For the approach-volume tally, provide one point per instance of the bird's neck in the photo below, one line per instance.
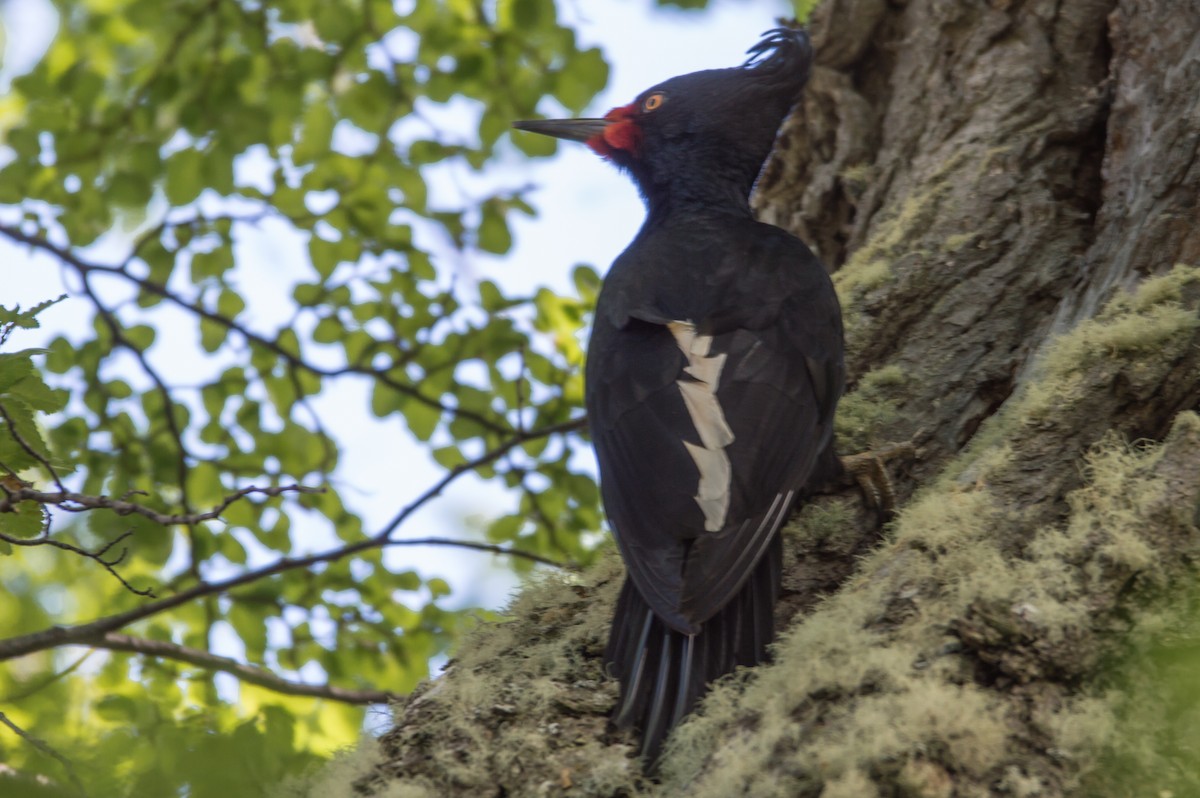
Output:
(676, 185)
(691, 200)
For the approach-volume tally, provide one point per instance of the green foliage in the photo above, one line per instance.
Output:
(23, 394)
(179, 132)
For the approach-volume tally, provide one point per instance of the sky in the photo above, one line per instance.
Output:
(587, 213)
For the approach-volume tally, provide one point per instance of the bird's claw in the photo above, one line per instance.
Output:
(869, 472)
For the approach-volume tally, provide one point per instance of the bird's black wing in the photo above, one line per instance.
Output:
(707, 427)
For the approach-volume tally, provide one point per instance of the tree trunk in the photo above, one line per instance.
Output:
(1007, 192)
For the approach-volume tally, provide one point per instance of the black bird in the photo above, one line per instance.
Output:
(713, 372)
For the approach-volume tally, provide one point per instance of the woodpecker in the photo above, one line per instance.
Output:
(713, 372)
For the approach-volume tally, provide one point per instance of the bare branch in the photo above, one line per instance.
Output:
(251, 674)
(471, 465)
(79, 502)
(55, 636)
(82, 502)
(109, 564)
(46, 749)
(473, 545)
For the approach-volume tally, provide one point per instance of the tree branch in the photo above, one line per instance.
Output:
(84, 268)
(491, 548)
(46, 749)
(109, 564)
(81, 502)
(118, 333)
(56, 636)
(251, 674)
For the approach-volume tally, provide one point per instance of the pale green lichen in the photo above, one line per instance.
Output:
(869, 408)
(336, 778)
(858, 702)
(958, 241)
(1148, 326)
(859, 174)
(825, 522)
(1140, 333)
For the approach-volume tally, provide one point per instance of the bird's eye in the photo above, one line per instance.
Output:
(654, 101)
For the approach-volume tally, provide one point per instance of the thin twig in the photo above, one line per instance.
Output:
(491, 548)
(29, 450)
(46, 749)
(84, 268)
(471, 465)
(55, 636)
(118, 333)
(109, 565)
(251, 674)
(519, 386)
(81, 502)
(45, 682)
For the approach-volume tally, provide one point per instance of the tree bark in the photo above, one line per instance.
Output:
(1007, 193)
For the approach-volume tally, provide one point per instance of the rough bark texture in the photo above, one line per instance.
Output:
(1008, 194)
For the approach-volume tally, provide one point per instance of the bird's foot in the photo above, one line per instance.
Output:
(869, 471)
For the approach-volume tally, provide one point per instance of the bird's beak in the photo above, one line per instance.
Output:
(572, 129)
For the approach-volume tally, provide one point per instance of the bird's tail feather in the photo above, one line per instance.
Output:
(664, 673)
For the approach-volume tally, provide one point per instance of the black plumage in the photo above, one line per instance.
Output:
(714, 369)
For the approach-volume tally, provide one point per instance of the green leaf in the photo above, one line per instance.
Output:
(212, 335)
(230, 304)
(505, 528)
(422, 419)
(328, 330)
(141, 336)
(316, 133)
(587, 283)
(21, 442)
(27, 319)
(308, 294)
(26, 520)
(129, 190)
(493, 233)
(249, 622)
(14, 367)
(324, 255)
(116, 709)
(449, 456)
(585, 75)
(185, 177)
(211, 264)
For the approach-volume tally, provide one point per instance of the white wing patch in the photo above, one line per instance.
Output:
(700, 398)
